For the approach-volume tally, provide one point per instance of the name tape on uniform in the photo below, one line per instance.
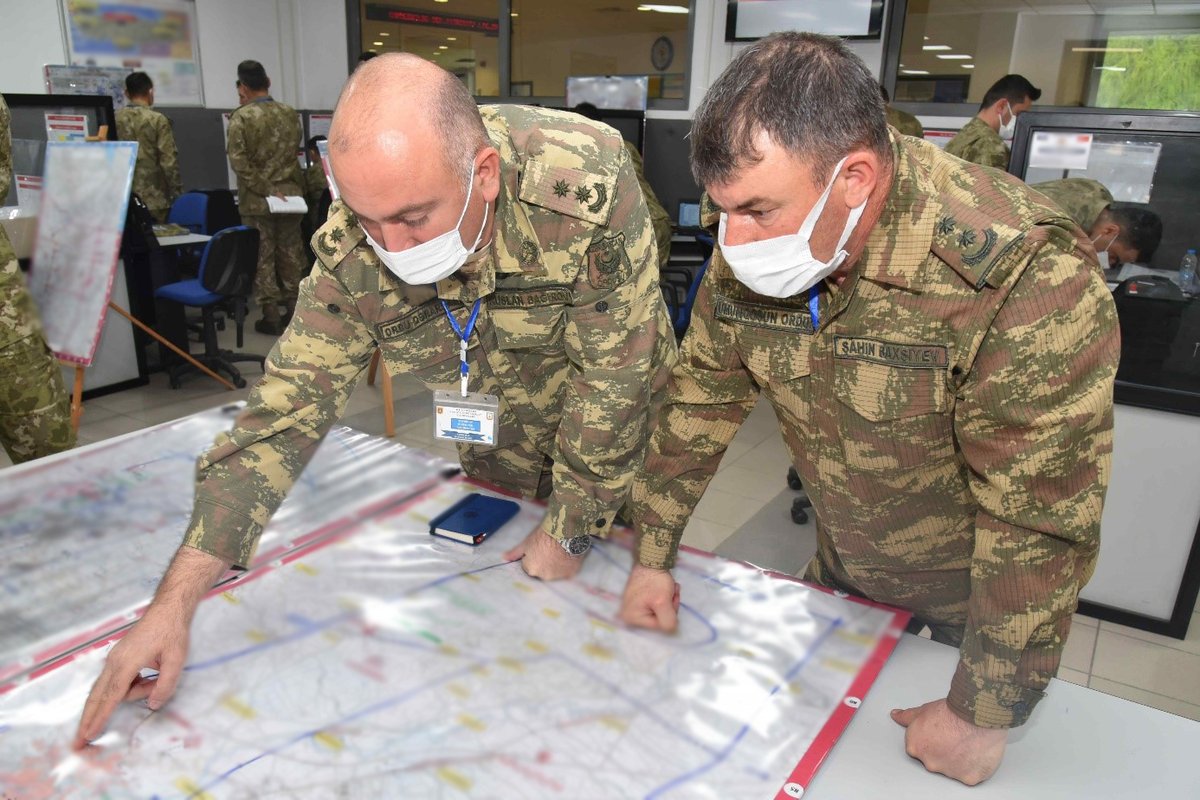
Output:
(533, 297)
(410, 321)
(914, 356)
(780, 319)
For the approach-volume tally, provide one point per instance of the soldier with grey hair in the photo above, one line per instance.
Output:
(939, 347)
(519, 231)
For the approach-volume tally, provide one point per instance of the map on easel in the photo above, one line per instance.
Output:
(84, 197)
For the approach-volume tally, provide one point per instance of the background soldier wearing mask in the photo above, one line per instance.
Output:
(1120, 233)
(939, 347)
(982, 140)
(524, 229)
(35, 411)
(263, 137)
(156, 174)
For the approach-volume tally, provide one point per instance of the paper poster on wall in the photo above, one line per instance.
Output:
(318, 124)
(66, 127)
(29, 194)
(81, 221)
(155, 36)
(1051, 150)
(98, 81)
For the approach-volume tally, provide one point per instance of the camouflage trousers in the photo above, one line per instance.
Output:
(519, 468)
(35, 410)
(280, 257)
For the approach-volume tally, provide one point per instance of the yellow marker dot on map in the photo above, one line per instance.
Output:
(454, 778)
(331, 636)
(231, 597)
(305, 568)
(510, 663)
(458, 690)
(329, 740)
(856, 638)
(524, 587)
(839, 665)
(238, 707)
(796, 687)
(480, 670)
(598, 651)
(616, 723)
(744, 653)
(257, 636)
(448, 650)
(192, 789)
(537, 647)
(471, 578)
(601, 624)
(473, 723)
(552, 613)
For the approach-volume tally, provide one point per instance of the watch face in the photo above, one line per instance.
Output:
(577, 545)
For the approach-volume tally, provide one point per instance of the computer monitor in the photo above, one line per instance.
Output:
(689, 213)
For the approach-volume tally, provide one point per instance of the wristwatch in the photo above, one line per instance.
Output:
(576, 545)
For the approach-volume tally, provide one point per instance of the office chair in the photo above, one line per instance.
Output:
(190, 210)
(227, 271)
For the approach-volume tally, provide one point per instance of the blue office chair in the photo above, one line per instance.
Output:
(227, 271)
(190, 210)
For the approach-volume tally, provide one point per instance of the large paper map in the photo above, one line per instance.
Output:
(378, 661)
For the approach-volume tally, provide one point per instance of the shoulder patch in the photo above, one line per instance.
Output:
(574, 192)
(608, 263)
(338, 237)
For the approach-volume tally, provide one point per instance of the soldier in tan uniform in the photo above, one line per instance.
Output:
(540, 232)
(1120, 233)
(263, 137)
(983, 139)
(35, 410)
(939, 347)
(902, 121)
(156, 173)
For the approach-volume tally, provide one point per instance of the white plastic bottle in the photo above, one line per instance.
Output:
(1187, 272)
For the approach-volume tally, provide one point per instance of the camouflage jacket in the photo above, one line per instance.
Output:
(979, 144)
(1082, 198)
(659, 219)
(950, 416)
(156, 174)
(572, 336)
(905, 122)
(18, 316)
(314, 184)
(262, 143)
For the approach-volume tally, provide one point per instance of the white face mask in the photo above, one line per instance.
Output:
(436, 259)
(1007, 129)
(1103, 254)
(783, 266)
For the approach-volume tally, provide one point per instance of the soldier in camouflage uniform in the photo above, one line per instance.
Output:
(156, 174)
(1120, 233)
(982, 140)
(263, 137)
(572, 334)
(902, 121)
(945, 393)
(35, 410)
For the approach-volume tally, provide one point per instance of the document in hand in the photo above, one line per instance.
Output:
(292, 204)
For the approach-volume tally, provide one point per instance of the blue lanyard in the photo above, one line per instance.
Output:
(813, 308)
(464, 336)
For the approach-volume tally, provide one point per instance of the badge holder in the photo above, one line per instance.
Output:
(468, 417)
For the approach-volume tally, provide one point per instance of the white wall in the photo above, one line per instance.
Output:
(301, 43)
(30, 37)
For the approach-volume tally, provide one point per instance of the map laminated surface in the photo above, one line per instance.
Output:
(376, 660)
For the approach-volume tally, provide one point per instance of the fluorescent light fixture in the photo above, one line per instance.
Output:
(377, 44)
(451, 38)
(384, 33)
(443, 47)
(967, 66)
(1111, 69)
(663, 8)
(955, 57)
(937, 47)
(915, 71)
(1106, 49)
(514, 14)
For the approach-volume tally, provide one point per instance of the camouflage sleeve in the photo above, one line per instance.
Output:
(168, 158)
(710, 395)
(1034, 421)
(5, 150)
(310, 374)
(616, 333)
(238, 150)
(990, 155)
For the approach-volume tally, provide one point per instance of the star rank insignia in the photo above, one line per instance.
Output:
(583, 194)
(561, 188)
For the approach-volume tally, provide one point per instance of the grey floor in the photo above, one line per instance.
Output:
(744, 516)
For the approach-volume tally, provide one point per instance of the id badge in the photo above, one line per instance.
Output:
(470, 419)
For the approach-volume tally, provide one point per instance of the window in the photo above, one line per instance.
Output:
(461, 36)
(1146, 57)
(547, 42)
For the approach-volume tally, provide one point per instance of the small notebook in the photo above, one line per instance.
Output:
(473, 519)
(291, 204)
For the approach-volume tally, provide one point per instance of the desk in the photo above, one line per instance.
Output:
(183, 240)
(428, 668)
